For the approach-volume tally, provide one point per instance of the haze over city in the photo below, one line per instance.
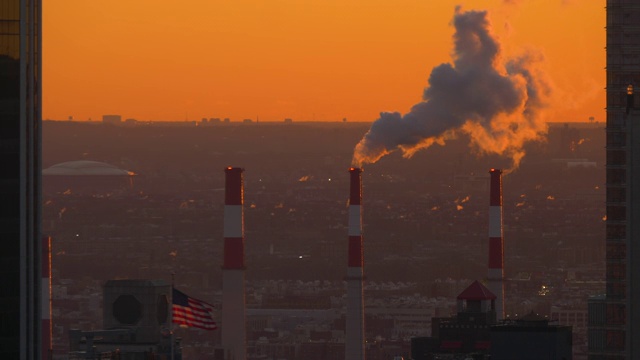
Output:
(425, 221)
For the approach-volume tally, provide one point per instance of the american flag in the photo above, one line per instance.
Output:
(192, 312)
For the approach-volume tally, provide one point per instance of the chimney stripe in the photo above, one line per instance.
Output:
(233, 253)
(496, 274)
(234, 185)
(495, 221)
(496, 253)
(355, 220)
(233, 221)
(355, 251)
(355, 191)
(355, 273)
(496, 188)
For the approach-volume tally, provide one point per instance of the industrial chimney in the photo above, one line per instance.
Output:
(233, 268)
(354, 337)
(495, 275)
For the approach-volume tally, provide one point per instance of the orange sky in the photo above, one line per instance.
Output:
(302, 59)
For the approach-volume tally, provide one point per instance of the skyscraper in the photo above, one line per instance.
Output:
(20, 118)
(619, 335)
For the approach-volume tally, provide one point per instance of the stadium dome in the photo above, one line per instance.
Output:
(85, 168)
(86, 177)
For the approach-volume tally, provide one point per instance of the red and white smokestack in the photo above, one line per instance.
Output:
(354, 336)
(496, 243)
(233, 335)
(46, 298)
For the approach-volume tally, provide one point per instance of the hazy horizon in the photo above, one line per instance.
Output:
(313, 61)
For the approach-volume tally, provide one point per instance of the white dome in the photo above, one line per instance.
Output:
(85, 167)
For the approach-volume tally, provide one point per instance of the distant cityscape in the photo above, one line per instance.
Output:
(425, 228)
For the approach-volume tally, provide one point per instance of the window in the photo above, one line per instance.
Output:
(616, 251)
(616, 213)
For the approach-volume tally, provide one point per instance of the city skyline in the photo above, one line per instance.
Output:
(425, 220)
(342, 60)
(305, 61)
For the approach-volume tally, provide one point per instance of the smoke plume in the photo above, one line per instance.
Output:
(498, 102)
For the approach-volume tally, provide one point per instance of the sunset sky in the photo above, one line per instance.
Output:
(300, 59)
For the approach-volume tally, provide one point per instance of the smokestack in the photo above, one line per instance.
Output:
(233, 268)
(495, 275)
(354, 337)
(46, 298)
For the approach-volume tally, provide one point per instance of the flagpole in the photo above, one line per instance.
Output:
(173, 275)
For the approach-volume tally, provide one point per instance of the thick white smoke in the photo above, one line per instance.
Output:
(498, 102)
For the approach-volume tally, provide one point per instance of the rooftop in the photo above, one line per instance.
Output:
(476, 291)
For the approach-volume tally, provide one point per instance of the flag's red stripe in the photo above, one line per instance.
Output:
(197, 314)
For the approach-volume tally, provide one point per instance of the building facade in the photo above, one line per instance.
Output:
(466, 335)
(137, 324)
(614, 320)
(531, 337)
(20, 119)
(621, 329)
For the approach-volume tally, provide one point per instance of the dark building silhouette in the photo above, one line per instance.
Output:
(531, 337)
(467, 333)
(474, 333)
(617, 337)
(137, 324)
(20, 124)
